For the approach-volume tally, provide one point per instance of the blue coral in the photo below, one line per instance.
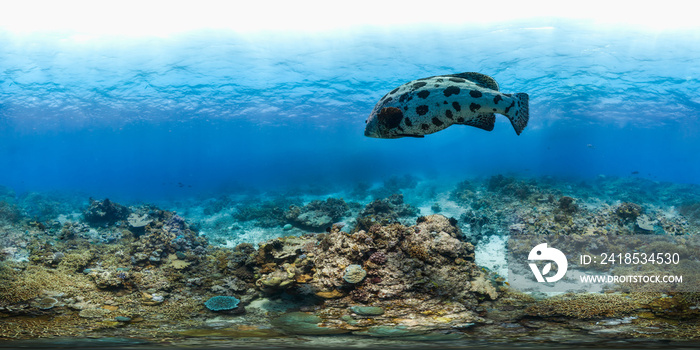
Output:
(221, 303)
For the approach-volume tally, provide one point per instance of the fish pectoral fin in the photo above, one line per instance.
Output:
(485, 121)
(482, 80)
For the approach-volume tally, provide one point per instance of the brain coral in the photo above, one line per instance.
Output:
(220, 303)
(354, 274)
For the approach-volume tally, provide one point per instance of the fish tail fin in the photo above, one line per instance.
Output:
(521, 113)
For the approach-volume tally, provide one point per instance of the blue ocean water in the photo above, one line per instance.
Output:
(213, 110)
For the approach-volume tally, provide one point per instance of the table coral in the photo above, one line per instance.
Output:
(222, 303)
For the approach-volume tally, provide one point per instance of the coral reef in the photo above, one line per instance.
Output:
(384, 211)
(44, 303)
(140, 270)
(511, 186)
(384, 263)
(586, 306)
(317, 215)
(230, 285)
(138, 223)
(567, 205)
(628, 211)
(9, 213)
(464, 193)
(266, 214)
(166, 233)
(691, 211)
(108, 278)
(47, 206)
(104, 212)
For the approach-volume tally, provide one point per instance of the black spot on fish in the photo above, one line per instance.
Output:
(394, 91)
(422, 109)
(475, 94)
(437, 121)
(474, 107)
(439, 80)
(437, 85)
(497, 98)
(456, 106)
(448, 114)
(460, 120)
(423, 94)
(425, 126)
(407, 122)
(390, 117)
(405, 108)
(451, 90)
(494, 109)
(444, 102)
(509, 107)
(405, 97)
(419, 84)
(457, 80)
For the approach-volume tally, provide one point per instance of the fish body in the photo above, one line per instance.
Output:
(428, 105)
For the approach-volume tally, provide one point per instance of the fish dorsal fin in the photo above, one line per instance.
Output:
(478, 79)
(485, 121)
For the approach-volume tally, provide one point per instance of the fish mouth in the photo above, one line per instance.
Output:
(372, 127)
(372, 133)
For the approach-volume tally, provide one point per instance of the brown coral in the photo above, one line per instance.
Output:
(585, 306)
(628, 211)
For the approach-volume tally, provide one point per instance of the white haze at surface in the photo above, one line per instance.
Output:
(214, 107)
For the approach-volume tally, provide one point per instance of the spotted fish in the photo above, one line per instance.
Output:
(428, 105)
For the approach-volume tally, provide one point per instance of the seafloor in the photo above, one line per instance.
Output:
(402, 263)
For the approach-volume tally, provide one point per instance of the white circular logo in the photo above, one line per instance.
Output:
(541, 252)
